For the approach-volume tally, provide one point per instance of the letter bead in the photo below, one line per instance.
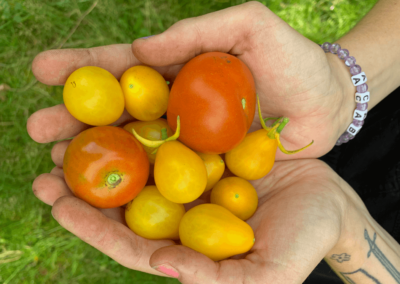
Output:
(359, 79)
(360, 114)
(362, 97)
(353, 130)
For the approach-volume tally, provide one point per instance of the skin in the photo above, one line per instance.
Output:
(306, 211)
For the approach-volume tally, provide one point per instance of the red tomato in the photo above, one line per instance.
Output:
(106, 166)
(214, 94)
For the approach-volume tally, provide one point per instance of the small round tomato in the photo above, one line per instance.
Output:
(105, 166)
(215, 168)
(146, 93)
(214, 94)
(152, 216)
(179, 173)
(93, 95)
(237, 195)
(151, 130)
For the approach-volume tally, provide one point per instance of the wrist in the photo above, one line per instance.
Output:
(345, 91)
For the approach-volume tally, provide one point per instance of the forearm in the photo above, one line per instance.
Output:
(375, 44)
(366, 253)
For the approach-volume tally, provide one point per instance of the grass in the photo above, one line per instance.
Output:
(33, 247)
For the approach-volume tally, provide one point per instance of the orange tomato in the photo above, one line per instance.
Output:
(237, 195)
(150, 130)
(214, 94)
(146, 93)
(105, 166)
(215, 168)
(93, 95)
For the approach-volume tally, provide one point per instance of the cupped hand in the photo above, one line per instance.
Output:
(303, 215)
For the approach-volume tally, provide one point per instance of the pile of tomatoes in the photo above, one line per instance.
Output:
(153, 166)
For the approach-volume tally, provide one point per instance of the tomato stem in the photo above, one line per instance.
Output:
(164, 134)
(113, 179)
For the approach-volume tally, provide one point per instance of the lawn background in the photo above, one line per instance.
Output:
(33, 247)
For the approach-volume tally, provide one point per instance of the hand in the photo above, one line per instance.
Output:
(293, 75)
(305, 211)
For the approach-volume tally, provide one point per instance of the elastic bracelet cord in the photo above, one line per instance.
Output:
(361, 97)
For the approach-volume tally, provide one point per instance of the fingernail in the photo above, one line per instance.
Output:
(167, 269)
(146, 37)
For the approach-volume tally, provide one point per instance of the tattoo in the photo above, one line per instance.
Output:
(369, 276)
(341, 257)
(363, 275)
(381, 257)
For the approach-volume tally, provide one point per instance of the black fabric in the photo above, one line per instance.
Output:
(370, 163)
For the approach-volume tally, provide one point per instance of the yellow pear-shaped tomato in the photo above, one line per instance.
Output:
(94, 96)
(146, 92)
(215, 232)
(150, 130)
(179, 173)
(215, 168)
(237, 195)
(151, 216)
(254, 157)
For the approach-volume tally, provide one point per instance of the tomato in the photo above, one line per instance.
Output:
(214, 94)
(215, 232)
(105, 166)
(93, 95)
(254, 157)
(152, 216)
(146, 92)
(215, 168)
(179, 173)
(150, 130)
(237, 195)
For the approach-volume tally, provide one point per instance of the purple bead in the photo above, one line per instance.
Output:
(350, 61)
(345, 138)
(343, 53)
(358, 123)
(351, 137)
(335, 47)
(325, 46)
(338, 143)
(362, 88)
(362, 106)
(354, 70)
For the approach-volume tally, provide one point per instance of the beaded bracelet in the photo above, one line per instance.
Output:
(361, 97)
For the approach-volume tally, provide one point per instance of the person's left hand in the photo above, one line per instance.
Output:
(305, 212)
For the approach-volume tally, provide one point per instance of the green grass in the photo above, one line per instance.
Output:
(33, 247)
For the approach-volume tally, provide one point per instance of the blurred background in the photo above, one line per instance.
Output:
(33, 247)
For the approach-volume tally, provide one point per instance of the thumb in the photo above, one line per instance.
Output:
(185, 264)
(227, 30)
(190, 266)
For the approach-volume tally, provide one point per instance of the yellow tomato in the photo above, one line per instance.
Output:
(93, 95)
(237, 195)
(146, 93)
(151, 216)
(254, 157)
(215, 168)
(150, 130)
(215, 232)
(179, 173)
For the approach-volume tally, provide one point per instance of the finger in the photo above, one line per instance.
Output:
(219, 31)
(117, 214)
(58, 151)
(57, 171)
(106, 235)
(190, 266)
(56, 123)
(48, 188)
(52, 67)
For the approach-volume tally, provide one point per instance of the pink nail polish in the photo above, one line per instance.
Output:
(167, 269)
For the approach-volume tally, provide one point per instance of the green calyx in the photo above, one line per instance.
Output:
(275, 130)
(113, 180)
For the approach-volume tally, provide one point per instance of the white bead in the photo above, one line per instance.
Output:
(353, 130)
(359, 79)
(362, 97)
(360, 114)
